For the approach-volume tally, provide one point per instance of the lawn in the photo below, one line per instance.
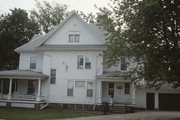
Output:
(30, 114)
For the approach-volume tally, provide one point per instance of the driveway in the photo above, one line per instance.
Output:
(139, 115)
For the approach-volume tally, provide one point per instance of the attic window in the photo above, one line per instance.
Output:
(74, 37)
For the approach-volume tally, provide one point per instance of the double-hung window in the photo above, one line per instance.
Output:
(53, 76)
(74, 37)
(70, 88)
(83, 62)
(89, 89)
(33, 61)
(80, 63)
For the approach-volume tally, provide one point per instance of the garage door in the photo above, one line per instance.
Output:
(169, 101)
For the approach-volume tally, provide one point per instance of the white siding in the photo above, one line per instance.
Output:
(87, 36)
(24, 61)
(60, 61)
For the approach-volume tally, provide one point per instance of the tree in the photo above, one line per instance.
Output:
(89, 18)
(15, 30)
(147, 31)
(47, 15)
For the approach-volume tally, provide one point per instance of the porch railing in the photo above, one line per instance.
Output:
(111, 100)
(21, 97)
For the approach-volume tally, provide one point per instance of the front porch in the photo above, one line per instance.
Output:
(116, 91)
(21, 88)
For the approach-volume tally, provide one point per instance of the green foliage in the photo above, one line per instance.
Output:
(48, 16)
(147, 31)
(15, 30)
(89, 18)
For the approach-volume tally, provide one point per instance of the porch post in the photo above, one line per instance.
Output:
(1, 89)
(133, 95)
(38, 98)
(10, 89)
(99, 91)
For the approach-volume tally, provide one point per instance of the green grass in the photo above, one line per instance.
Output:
(30, 114)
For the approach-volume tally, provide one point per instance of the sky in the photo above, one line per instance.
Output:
(86, 6)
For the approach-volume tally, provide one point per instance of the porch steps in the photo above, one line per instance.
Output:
(118, 109)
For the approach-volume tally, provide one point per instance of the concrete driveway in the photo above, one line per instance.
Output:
(139, 115)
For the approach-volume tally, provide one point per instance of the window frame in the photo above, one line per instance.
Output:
(127, 90)
(88, 89)
(53, 81)
(85, 61)
(75, 37)
(31, 89)
(79, 66)
(81, 86)
(31, 66)
(68, 88)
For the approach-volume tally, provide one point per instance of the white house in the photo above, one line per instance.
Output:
(65, 67)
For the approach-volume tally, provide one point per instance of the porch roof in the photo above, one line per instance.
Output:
(111, 74)
(116, 75)
(21, 73)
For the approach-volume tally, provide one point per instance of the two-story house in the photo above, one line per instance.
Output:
(65, 67)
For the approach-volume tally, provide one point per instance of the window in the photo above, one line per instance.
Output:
(70, 88)
(127, 88)
(5, 83)
(87, 63)
(83, 62)
(89, 89)
(53, 76)
(123, 63)
(71, 37)
(31, 87)
(111, 89)
(74, 38)
(33, 62)
(80, 63)
(80, 84)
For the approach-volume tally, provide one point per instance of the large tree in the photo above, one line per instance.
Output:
(48, 15)
(148, 31)
(15, 30)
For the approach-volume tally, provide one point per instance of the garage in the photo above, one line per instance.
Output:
(169, 101)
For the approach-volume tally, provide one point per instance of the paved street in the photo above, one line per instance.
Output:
(139, 115)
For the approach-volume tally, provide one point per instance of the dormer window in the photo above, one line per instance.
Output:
(74, 37)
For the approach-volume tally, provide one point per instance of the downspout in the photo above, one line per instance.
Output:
(44, 106)
(96, 72)
(95, 86)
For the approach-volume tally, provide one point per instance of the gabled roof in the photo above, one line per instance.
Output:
(37, 41)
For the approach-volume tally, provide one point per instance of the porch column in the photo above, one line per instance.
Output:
(38, 98)
(156, 99)
(99, 91)
(10, 89)
(133, 95)
(1, 89)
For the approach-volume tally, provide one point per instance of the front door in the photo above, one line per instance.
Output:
(150, 101)
(118, 93)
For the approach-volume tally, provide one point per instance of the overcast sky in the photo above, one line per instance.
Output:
(86, 6)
